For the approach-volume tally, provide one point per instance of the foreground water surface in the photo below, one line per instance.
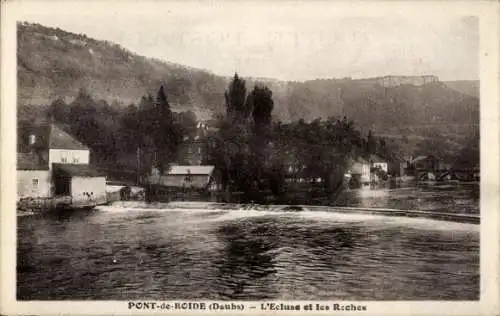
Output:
(133, 250)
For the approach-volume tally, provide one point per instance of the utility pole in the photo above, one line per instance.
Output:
(138, 165)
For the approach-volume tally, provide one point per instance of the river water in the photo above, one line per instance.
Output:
(134, 250)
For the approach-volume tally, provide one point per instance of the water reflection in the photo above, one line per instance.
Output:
(246, 259)
(138, 251)
(439, 197)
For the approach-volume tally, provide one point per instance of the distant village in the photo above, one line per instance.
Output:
(154, 140)
(53, 171)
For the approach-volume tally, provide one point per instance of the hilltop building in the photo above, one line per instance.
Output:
(393, 81)
(51, 163)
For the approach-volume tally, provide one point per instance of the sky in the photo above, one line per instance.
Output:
(282, 41)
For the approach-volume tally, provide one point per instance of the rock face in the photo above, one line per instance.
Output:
(393, 81)
(53, 63)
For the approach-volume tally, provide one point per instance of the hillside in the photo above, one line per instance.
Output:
(469, 87)
(54, 63)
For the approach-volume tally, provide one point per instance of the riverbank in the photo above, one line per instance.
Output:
(442, 197)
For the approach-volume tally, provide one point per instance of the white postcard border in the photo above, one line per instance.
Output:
(488, 11)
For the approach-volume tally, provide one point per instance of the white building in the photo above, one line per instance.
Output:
(53, 163)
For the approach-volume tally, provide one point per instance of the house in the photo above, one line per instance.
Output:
(33, 176)
(192, 152)
(194, 149)
(403, 168)
(52, 144)
(359, 170)
(378, 162)
(51, 163)
(79, 181)
(396, 165)
(426, 164)
(200, 178)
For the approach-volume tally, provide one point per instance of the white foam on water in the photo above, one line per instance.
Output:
(432, 224)
(340, 216)
(240, 212)
(125, 206)
(233, 215)
(421, 223)
(152, 208)
(186, 204)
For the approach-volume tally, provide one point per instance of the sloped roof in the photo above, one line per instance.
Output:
(180, 176)
(357, 168)
(185, 170)
(59, 139)
(356, 165)
(77, 170)
(376, 158)
(420, 158)
(30, 161)
(48, 136)
(432, 157)
(180, 180)
(357, 160)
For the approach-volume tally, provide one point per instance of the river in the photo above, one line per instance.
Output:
(134, 250)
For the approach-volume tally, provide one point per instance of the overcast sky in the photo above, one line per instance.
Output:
(283, 42)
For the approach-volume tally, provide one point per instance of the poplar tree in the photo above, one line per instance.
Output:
(165, 133)
(237, 109)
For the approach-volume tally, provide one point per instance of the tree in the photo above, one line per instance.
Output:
(187, 122)
(371, 144)
(231, 153)
(58, 110)
(129, 129)
(165, 133)
(262, 104)
(237, 109)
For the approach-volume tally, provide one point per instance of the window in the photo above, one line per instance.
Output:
(76, 160)
(64, 157)
(34, 183)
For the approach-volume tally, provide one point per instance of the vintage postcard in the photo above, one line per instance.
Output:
(250, 157)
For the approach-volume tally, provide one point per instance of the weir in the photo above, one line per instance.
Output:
(454, 217)
(462, 218)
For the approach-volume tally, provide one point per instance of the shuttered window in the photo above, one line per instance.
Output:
(64, 157)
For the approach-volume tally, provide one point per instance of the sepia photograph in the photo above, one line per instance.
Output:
(194, 152)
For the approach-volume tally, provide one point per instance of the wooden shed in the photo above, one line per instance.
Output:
(188, 177)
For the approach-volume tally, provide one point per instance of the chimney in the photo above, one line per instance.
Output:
(32, 140)
(32, 143)
(32, 147)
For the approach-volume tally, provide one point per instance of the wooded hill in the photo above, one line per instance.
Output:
(53, 63)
